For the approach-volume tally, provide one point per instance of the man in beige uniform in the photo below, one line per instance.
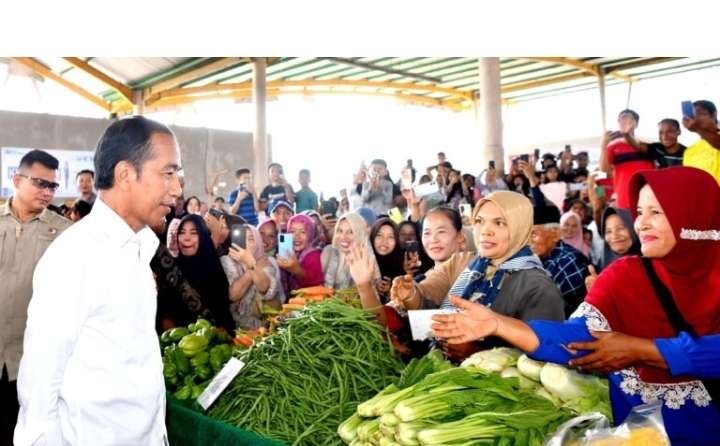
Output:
(27, 228)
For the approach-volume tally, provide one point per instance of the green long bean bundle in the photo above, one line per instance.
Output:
(300, 383)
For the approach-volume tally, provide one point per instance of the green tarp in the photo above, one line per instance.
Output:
(188, 427)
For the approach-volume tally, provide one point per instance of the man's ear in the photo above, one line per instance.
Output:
(16, 180)
(124, 174)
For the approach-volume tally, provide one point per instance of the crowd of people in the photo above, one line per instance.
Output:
(553, 257)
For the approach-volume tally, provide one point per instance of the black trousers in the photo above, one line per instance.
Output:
(9, 408)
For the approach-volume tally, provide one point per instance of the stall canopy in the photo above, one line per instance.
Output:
(121, 85)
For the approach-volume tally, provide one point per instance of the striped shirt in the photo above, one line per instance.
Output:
(247, 206)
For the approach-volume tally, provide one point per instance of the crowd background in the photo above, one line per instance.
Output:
(529, 243)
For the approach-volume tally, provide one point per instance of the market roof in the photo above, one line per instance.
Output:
(114, 83)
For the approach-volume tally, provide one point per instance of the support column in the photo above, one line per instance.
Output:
(138, 102)
(601, 89)
(490, 112)
(260, 151)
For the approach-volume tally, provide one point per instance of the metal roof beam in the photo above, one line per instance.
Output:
(591, 68)
(102, 77)
(374, 67)
(43, 71)
(247, 86)
(542, 82)
(192, 75)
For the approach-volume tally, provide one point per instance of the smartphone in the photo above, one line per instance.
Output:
(491, 164)
(328, 207)
(537, 154)
(423, 190)
(688, 110)
(524, 157)
(395, 215)
(216, 213)
(465, 209)
(238, 235)
(285, 245)
(412, 246)
(577, 187)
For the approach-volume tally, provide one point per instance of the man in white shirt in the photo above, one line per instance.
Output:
(91, 371)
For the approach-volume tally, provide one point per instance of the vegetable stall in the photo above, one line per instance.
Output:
(326, 374)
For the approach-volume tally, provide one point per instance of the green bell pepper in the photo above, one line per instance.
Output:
(193, 344)
(165, 337)
(177, 333)
(197, 389)
(181, 362)
(169, 369)
(184, 392)
(201, 323)
(203, 372)
(200, 359)
(172, 382)
(217, 358)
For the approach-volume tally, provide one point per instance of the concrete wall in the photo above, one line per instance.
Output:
(204, 151)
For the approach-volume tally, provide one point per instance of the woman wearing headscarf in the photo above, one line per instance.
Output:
(619, 236)
(322, 237)
(200, 265)
(302, 268)
(385, 242)
(252, 280)
(651, 323)
(505, 275)
(571, 232)
(619, 240)
(350, 230)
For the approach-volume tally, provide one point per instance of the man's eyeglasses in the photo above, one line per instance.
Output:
(40, 183)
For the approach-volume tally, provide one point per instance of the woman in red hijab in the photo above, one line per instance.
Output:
(651, 351)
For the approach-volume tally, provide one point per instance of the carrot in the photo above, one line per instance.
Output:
(297, 301)
(315, 291)
(292, 307)
(244, 340)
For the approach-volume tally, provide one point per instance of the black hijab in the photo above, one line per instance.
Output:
(205, 274)
(391, 265)
(609, 255)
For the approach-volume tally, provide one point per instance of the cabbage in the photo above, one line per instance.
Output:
(512, 372)
(529, 368)
(495, 360)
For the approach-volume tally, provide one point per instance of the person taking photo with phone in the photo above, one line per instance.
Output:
(377, 191)
(300, 262)
(704, 154)
(251, 277)
(622, 155)
(242, 200)
(278, 189)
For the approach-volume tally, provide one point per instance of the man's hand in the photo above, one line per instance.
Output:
(610, 352)
(243, 194)
(473, 323)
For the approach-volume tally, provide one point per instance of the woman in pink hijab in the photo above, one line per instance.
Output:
(571, 232)
(303, 268)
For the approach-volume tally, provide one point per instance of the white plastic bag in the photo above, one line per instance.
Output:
(643, 426)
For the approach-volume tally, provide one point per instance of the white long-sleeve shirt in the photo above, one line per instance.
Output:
(91, 372)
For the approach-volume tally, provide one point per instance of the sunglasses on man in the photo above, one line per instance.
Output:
(40, 183)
